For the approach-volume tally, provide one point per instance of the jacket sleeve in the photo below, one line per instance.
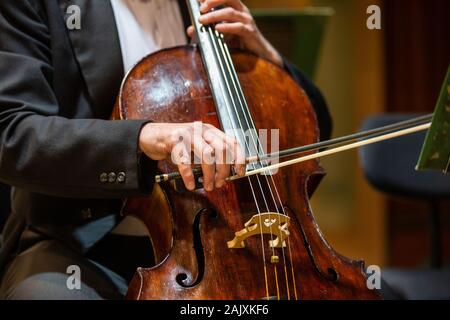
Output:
(43, 152)
(317, 100)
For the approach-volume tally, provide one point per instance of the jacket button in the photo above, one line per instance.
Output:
(104, 177)
(112, 177)
(121, 177)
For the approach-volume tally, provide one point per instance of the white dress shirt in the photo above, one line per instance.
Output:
(146, 26)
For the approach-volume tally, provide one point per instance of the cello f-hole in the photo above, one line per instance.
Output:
(182, 278)
(330, 274)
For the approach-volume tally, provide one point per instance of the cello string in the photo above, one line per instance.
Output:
(258, 180)
(209, 29)
(193, 4)
(278, 196)
(247, 116)
(220, 44)
(243, 104)
(233, 97)
(289, 248)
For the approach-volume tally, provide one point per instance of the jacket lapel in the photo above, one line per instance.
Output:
(185, 13)
(97, 49)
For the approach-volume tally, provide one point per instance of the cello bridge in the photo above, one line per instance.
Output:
(274, 224)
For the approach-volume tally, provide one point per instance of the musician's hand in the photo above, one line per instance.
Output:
(236, 22)
(176, 142)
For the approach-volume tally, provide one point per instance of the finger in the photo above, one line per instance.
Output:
(207, 5)
(222, 154)
(222, 167)
(236, 28)
(185, 169)
(190, 31)
(226, 14)
(206, 153)
(240, 165)
(187, 176)
(181, 155)
(211, 133)
(234, 154)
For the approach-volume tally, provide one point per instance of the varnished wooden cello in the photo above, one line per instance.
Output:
(255, 238)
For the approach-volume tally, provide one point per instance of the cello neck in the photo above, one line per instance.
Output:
(225, 86)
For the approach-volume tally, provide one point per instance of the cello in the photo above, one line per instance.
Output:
(256, 238)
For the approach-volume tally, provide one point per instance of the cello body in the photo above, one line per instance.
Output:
(190, 230)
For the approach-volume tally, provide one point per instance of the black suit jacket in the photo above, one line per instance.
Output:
(57, 91)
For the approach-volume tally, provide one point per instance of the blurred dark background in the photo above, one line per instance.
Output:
(417, 57)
